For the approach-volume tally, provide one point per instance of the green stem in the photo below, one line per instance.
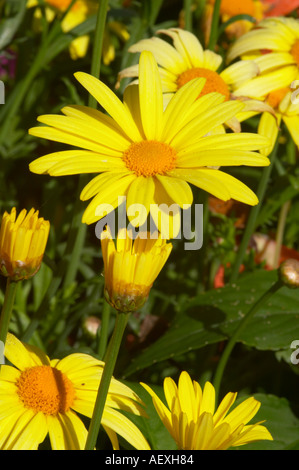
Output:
(251, 222)
(214, 26)
(111, 357)
(188, 15)
(9, 298)
(234, 338)
(104, 330)
(98, 44)
(76, 239)
(280, 231)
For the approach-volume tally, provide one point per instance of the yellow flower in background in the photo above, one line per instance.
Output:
(40, 396)
(274, 46)
(130, 268)
(113, 29)
(193, 422)
(186, 60)
(147, 153)
(286, 111)
(79, 13)
(23, 241)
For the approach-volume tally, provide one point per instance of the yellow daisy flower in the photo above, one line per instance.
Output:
(146, 153)
(79, 13)
(274, 46)
(186, 60)
(131, 268)
(194, 423)
(40, 396)
(23, 241)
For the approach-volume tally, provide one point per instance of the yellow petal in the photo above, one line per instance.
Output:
(141, 192)
(150, 96)
(110, 103)
(179, 191)
(23, 355)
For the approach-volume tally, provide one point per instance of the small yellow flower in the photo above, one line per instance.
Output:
(113, 30)
(131, 267)
(286, 111)
(80, 11)
(40, 396)
(194, 424)
(274, 47)
(23, 241)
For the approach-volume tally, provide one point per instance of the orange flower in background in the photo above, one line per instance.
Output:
(230, 8)
(280, 7)
(257, 9)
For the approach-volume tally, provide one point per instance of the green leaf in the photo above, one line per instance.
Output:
(214, 316)
(9, 26)
(280, 421)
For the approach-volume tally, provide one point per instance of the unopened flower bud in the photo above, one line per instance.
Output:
(289, 273)
(23, 241)
(131, 268)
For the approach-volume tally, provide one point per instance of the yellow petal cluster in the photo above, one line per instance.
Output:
(23, 240)
(131, 267)
(193, 422)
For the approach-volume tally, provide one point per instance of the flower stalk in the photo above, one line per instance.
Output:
(254, 212)
(110, 361)
(9, 298)
(214, 26)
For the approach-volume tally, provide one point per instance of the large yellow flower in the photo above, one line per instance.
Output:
(41, 396)
(23, 241)
(146, 153)
(132, 267)
(194, 423)
(274, 46)
(186, 60)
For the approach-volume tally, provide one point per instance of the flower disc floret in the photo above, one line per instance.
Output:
(149, 157)
(214, 82)
(45, 389)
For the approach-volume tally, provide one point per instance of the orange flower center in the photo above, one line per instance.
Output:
(213, 81)
(237, 7)
(275, 97)
(295, 51)
(149, 158)
(45, 389)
